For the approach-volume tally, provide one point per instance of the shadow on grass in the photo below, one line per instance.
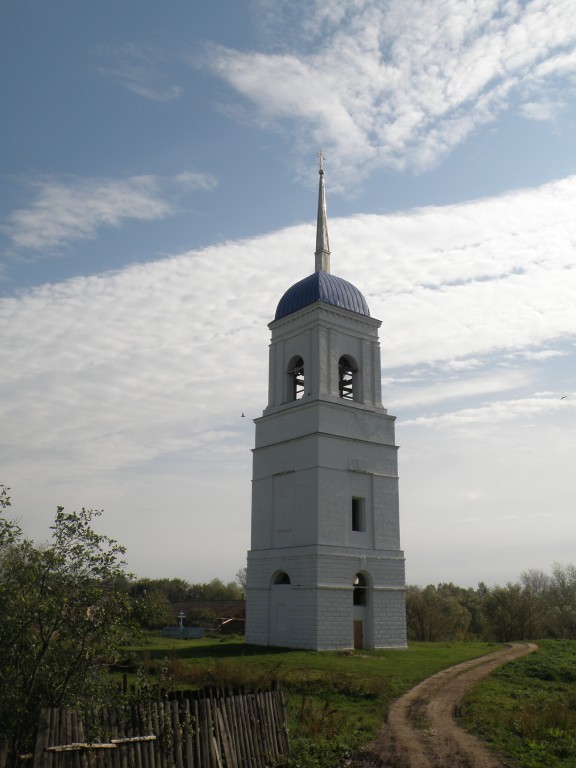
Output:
(219, 650)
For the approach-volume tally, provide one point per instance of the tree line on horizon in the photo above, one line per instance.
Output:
(540, 605)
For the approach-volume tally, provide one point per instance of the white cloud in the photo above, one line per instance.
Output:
(469, 279)
(541, 110)
(402, 397)
(544, 354)
(167, 93)
(139, 69)
(500, 410)
(74, 209)
(399, 84)
(125, 390)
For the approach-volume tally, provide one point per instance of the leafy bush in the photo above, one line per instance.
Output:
(62, 621)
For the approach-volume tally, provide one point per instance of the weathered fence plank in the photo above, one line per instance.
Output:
(208, 729)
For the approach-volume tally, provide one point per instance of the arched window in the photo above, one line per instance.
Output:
(360, 593)
(296, 378)
(346, 376)
(281, 578)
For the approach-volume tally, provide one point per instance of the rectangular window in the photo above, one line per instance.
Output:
(358, 522)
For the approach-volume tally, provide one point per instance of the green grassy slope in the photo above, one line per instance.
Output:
(527, 709)
(335, 700)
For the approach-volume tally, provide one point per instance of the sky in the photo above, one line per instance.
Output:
(158, 192)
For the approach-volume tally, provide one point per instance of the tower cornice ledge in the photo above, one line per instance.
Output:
(359, 555)
(312, 312)
(307, 400)
(324, 418)
(329, 401)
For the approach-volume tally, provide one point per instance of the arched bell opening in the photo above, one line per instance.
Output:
(347, 378)
(295, 374)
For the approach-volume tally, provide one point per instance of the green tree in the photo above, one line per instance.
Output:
(435, 613)
(215, 590)
(151, 610)
(561, 615)
(63, 620)
(241, 578)
(510, 613)
(536, 588)
(172, 590)
(180, 591)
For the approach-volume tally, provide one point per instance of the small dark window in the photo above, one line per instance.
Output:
(282, 578)
(360, 591)
(358, 514)
(296, 374)
(346, 373)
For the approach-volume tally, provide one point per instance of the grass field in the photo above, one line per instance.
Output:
(527, 709)
(335, 700)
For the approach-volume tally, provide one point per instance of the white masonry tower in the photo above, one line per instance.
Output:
(325, 570)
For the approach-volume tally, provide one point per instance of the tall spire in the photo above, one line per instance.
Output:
(322, 252)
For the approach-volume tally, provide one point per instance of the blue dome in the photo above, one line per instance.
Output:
(322, 286)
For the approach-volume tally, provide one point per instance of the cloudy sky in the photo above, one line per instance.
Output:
(157, 197)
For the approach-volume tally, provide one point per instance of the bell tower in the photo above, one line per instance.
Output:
(325, 569)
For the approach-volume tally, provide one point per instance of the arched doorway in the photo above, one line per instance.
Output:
(280, 609)
(361, 602)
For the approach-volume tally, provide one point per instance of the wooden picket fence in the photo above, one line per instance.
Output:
(210, 729)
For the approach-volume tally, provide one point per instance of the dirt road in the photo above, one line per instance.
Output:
(421, 732)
